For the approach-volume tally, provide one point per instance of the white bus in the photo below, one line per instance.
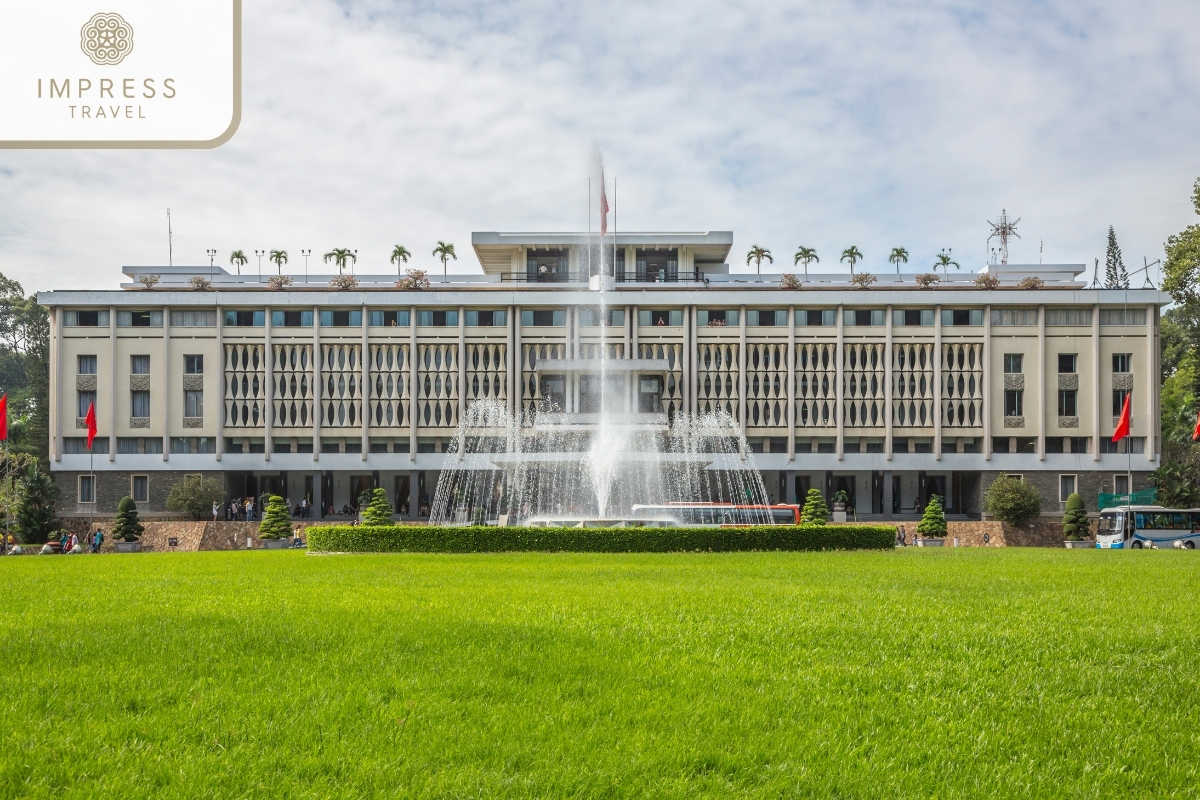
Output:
(1140, 527)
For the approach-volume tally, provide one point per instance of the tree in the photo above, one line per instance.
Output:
(757, 254)
(1012, 500)
(944, 261)
(400, 254)
(25, 371)
(899, 256)
(238, 259)
(853, 255)
(276, 524)
(35, 516)
(378, 511)
(280, 257)
(195, 496)
(1181, 270)
(1075, 521)
(805, 255)
(1176, 486)
(933, 522)
(341, 256)
(444, 252)
(815, 512)
(126, 527)
(1115, 276)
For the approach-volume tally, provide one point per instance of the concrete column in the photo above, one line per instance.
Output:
(1041, 385)
(790, 376)
(510, 360)
(937, 383)
(462, 375)
(220, 443)
(166, 384)
(887, 490)
(56, 415)
(742, 368)
(414, 495)
(366, 386)
(412, 386)
(318, 501)
(317, 413)
(838, 384)
(887, 392)
(631, 377)
(1096, 406)
(694, 364)
(268, 384)
(112, 384)
(1152, 389)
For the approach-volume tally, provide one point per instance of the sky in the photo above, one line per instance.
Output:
(369, 123)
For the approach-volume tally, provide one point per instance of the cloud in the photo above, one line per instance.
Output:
(827, 124)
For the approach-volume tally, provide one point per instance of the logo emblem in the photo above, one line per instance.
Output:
(106, 39)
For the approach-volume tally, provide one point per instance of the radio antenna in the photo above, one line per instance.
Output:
(170, 243)
(1002, 230)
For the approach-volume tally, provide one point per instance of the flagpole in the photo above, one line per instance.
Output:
(589, 233)
(1129, 444)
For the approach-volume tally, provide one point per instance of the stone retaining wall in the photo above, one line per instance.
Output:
(1039, 533)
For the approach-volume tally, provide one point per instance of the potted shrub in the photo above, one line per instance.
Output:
(931, 530)
(986, 281)
(1031, 282)
(413, 280)
(815, 512)
(927, 279)
(840, 499)
(1075, 526)
(276, 527)
(789, 281)
(127, 529)
(863, 279)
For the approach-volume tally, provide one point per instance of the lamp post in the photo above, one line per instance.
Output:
(306, 254)
(260, 254)
(212, 254)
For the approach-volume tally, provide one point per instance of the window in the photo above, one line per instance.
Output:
(1014, 317)
(85, 319)
(766, 318)
(900, 445)
(911, 316)
(379, 446)
(486, 319)
(353, 319)
(389, 319)
(717, 318)
(133, 445)
(962, 316)
(874, 445)
(826, 446)
(1068, 316)
(193, 319)
(190, 445)
(1080, 444)
(660, 317)
(971, 445)
(1026, 444)
(139, 488)
(1067, 403)
(139, 404)
(86, 365)
(139, 319)
(852, 446)
(544, 318)
(1122, 361)
(258, 446)
(922, 445)
(804, 445)
(353, 445)
(1000, 444)
(1012, 363)
(127, 445)
(278, 446)
(245, 319)
(233, 446)
(1066, 487)
(193, 365)
(331, 446)
(1121, 316)
(78, 444)
(1067, 363)
(1055, 444)
(554, 390)
(593, 318)
(1120, 484)
(949, 446)
(139, 365)
(1014, 403)
(304, 445)
(85, 401)
(193, 403)
(816, 316)
(864, 316)
(87, 488)
(291, 319)
(1118, 404)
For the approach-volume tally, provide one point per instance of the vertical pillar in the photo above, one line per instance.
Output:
(631, 377)
(166, 384)
(112, 384)
(1152, 388)
(1041, 385)
(414, 494)
(685, 388)
(462, 375)
(986, 381)
(268, 385)
(742, 369)
(887, 398)
(220, 393)
(694, 363)
(510, 360)
(412, 387)
(1096, 382)
(790, 377)
(937, 383)
(887, 490)
(518, 369)
(839, 386)
(365, 360)
(56, 415)
(317, 411)
(318, 501)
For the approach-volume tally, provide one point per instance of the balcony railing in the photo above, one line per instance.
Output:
(638, 276)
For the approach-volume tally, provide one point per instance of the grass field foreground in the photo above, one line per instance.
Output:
(907, 673)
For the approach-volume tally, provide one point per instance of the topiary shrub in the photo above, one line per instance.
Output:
(1012, 500)
(276, 524)
(195, 496)
(378, 510)
(933, 523)
(1075, 524)
(815, 512)
(127, 527)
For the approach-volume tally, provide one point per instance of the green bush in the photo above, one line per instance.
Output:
(933, 523)
(36, 496)
(1012, 500)
(127, 527)
(378, 511)
(493, 539)
(815, 512)
(276, 524)
(1075, 521)
(195, 495)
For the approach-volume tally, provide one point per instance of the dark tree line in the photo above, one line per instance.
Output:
(25, 371)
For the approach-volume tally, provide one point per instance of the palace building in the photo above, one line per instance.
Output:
(890, 392)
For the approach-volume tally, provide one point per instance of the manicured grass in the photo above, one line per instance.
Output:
(951, 673)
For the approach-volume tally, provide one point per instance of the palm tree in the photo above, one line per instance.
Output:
(238, 259)
(943, 261)
(807, 255)
(853, 255)
(339, 256)
(400, 253)
(899, 256)
(445, 252)
(280, 257)
(757, 254)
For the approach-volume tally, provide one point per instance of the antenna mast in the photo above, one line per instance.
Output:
(1002, 230)
(170, 243)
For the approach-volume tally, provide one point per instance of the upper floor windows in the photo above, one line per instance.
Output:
(962, 316)
(139, 319)
(193, 365)
(717, 318)
(595, 318)
(1121, 362)
(341, 319)
(1014, 316)
(660, 317)
(543, 317)
(86, 319)
(244, 319)
(291, 319)
(139, 365)
(1012, 362)
(389, 319)
(1068, 363)
(487, 319)
(1122, 316)
(86, 365)
(912, 316)
(769, 318)
(1068, 316)
(193, 319)
(437, 319)
(862, 317)
(816, 316)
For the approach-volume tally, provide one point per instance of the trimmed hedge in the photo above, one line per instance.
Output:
(492, 539)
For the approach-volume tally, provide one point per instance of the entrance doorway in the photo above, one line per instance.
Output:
(359, 485)
(931, 485)
(845, 483)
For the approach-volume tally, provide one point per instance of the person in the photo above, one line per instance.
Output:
(97, 540)
(303, 508)
(62, 542)
(216, 511)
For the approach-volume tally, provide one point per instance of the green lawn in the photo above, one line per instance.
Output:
(909, 673)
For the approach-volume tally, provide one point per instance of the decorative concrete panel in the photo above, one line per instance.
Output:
(81, 422)
(139, 383)
(1068, 422)
(85, 383)
(1014, 422)
(193, 422)
(1122, 380)
(193, 383)
(139, 422)
(1068, 380)
(1014, 380)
